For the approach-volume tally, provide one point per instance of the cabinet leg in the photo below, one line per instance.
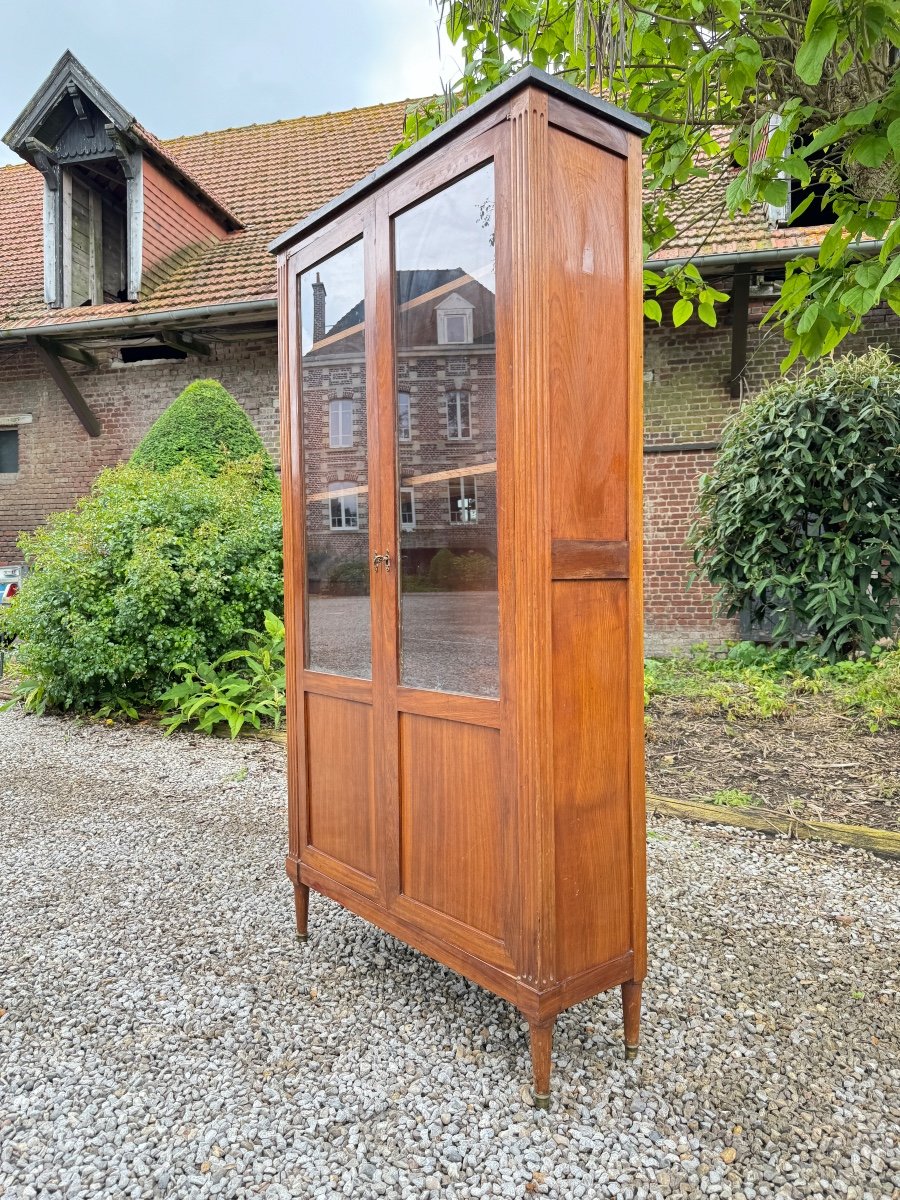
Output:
(301, 907)
(541, 1051)
(631, 1011)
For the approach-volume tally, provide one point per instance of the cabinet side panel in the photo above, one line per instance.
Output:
(590, 751)
(588, 341)
(339, 788)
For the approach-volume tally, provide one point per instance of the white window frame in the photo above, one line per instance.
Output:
(348, 499)
(455, 398)
(411, 493)
(454, 306)
(401, 437)
(340, 431)
(468, 487)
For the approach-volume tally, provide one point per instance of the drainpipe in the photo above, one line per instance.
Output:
(716, 262)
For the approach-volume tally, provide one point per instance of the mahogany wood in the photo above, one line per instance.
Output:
(631, 1007)
(503, 837)
(585, 125)
(590, 560)
(541, 1035)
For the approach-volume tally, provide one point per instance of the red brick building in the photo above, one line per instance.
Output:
(129, 267)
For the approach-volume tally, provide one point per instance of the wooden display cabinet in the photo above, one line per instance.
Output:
(460, 382)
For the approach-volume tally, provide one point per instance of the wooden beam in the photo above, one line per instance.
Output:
(67, 350)
(187, 343)
(47, 353)
(740, 305)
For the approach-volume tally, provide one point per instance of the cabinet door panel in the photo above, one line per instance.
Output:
(340, 789)
(453, 829)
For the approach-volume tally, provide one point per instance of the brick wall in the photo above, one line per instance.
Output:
(686, 397)
(58, 460)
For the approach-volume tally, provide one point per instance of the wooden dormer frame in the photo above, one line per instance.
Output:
(102, 131)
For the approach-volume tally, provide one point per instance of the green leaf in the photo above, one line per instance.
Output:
(682, 311)
(814, 50)
(871, 149)
(893, 136)
(652, 310)
(707, 313)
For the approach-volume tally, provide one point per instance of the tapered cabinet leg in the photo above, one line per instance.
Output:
(631, 1011)
(301, 907)
(541, 1053)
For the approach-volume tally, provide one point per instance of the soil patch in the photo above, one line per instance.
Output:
(814, 763)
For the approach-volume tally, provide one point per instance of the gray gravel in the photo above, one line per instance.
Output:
(163, 1035)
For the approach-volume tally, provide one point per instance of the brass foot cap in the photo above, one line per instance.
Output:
(541, 1101)
(302, 937)
(631, 1052)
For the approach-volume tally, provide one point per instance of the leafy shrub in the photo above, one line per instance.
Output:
(800, 512)
(350, 577)
(147, 571)
(454, 572)
(241, 687)
(206, 425)
(759, 682)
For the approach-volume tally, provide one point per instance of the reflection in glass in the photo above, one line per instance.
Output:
(447, 440)
(335, 447)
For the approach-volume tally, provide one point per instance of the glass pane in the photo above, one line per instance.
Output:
(336, 469)
(447, 439)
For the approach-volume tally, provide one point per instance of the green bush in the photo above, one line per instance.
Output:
(462, 572)
(800, 514)
(147, 571)
(206, 425)
(350, 577)
(242, 687)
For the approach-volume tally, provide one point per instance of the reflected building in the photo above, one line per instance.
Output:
(446, 426)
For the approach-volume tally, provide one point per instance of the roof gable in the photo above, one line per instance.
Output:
(75, 118)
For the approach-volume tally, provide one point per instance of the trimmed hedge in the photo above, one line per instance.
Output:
(206, 425)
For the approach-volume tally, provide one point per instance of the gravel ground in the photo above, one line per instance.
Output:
(163, 1035)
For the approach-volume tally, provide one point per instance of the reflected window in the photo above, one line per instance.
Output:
(407, 508)
(340, 423)
(344, 505)
(454, 320)
(463, 501)
(404, 424)
(459, 424)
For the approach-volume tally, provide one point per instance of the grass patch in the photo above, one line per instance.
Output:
(746, 681)
(731, 798)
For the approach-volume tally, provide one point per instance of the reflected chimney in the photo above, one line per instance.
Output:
(318, 291)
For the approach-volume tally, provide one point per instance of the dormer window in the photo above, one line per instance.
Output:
(118, 208)
(454, 320)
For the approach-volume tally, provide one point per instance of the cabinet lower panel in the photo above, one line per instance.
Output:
(502, 982)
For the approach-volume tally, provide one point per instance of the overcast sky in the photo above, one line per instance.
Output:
(184, 66)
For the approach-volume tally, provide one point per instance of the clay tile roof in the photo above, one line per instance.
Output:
(270, 176)
(698, 211)
(266, 176)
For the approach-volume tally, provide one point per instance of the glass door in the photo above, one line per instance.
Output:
(444, 298)
(336, 466)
